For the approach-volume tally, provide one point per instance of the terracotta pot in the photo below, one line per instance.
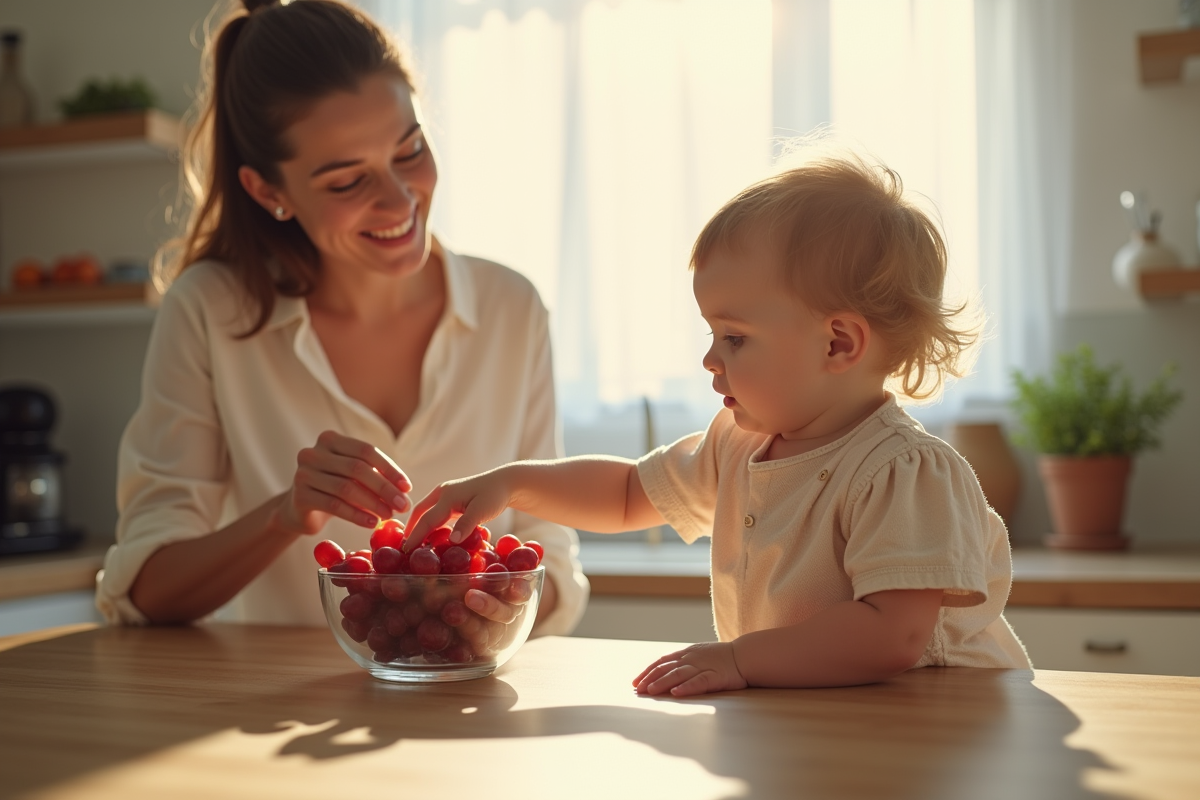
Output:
(984, 447)
(1087, 500)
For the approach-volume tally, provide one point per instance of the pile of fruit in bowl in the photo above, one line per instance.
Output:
(403, 616)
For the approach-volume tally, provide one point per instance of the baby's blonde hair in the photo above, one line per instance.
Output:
(851, 241)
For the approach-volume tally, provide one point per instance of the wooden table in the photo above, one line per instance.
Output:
(223, 711)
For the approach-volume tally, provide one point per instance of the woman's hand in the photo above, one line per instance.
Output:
(342, 477)
(473, 501)
(698, 669)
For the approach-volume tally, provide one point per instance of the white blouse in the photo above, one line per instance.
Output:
(221, 420)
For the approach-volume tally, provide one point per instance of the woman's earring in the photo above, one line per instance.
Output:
(279, 212)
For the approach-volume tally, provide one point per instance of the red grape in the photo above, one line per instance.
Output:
(433, 634)
(484, 533)
(493, 580)
(454, 613)
(390, 561)
(438, 536)
(395, 622)
(423, 561)
(380, 640)
(357, 564)
(458, 653)
(357, 606)
(472, 542)
(356, 629)
(388, 533)
(489, 557)
(396, 589)
(366, 554)
(329, 553)
(518, 592)
(409, 645)
(506, 545)
(521, 559)
(455, 561)
(413, 613)
(537, 548)
(478, 562)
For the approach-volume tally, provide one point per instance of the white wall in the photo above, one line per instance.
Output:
(112, 211)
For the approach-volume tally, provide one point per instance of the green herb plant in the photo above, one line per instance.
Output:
(1087, 410)
(106, 97)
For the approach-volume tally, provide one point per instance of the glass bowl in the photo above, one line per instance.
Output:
(416, 629)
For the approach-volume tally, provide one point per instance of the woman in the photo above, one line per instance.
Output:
(317, 336)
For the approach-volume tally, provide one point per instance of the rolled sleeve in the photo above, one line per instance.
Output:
(172, 468)
(680, 480)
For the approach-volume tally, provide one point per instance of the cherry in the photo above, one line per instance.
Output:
(455, 613)
(521, 559)
(388, 533)
(423, 561)
(357, 606)
(380, 640)
(433, 634)
(356, 629)
(455, 561)
(537, 548)
(396, 589)
(390, 561)
(394, 621)
(328, 553)
(506, 545)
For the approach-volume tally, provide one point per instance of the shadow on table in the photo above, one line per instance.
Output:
(923, 735)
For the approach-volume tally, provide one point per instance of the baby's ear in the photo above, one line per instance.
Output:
(849, 337)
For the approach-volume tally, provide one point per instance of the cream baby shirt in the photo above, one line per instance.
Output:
(887, 506)
(221, 420)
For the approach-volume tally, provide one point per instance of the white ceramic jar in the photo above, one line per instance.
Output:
(1142, 252)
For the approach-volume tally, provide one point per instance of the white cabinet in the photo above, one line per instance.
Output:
(47, 611)
(1086, 640)
(648, 619)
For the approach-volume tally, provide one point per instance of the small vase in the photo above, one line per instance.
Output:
(1142, 252)
(1087, 500)
(984, 447)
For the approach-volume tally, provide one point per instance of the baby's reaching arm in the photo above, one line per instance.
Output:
(595, 493)
(850, 643)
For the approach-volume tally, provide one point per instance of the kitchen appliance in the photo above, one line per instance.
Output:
(31, 475)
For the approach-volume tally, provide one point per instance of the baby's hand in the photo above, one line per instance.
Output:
(474, 501)
(698, 669)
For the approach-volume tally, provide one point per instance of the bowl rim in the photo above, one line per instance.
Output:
(324, 572)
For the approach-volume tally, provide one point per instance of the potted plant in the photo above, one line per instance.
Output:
(1088, 423)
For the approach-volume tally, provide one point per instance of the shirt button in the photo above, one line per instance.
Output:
(824, 474)
(748, 521)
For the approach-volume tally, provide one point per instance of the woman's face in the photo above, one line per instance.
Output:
(362, 179)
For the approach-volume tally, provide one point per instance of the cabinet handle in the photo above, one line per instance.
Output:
(1106, 646)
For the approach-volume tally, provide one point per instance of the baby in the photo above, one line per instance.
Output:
(848, 545)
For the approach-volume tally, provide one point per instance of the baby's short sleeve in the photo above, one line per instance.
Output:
(681, 480)
(920, 521)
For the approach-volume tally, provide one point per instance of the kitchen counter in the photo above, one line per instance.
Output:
(34, 574)
(1147, 577)
(243, 711)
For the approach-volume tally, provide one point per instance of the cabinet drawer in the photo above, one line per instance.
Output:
(1149, 642)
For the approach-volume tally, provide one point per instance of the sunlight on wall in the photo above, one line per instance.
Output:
(903, 85)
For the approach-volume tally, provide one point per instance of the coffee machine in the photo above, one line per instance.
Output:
(31, 475)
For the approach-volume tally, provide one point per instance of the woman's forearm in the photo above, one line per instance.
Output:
(187, 580)
(850, 643)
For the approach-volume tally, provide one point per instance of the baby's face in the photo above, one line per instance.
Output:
(768, 350)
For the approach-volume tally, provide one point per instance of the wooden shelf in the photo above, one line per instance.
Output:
(82, 305)
(128, 136)
(1161, 55)
(1169, 284)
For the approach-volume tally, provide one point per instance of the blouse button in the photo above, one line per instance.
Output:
(824, 474)
(748, 521)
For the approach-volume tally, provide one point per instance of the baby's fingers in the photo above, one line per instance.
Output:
(431, 513)
(667, 677)
(668, 658)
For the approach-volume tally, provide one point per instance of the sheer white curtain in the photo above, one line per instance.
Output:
(585, 142)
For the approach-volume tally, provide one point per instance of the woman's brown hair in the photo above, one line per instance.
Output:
(265, 67)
